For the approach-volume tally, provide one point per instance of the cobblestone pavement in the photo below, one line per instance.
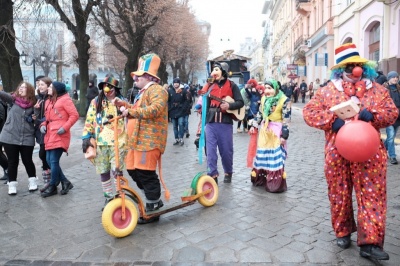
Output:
(247, 226)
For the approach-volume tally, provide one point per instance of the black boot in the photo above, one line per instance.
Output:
(65, 187)
(344, 242)
(228, 178)
(50, 191)
(373, 252)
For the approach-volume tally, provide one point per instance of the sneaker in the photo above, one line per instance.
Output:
(246, 130)
(12, 188)
(33, 183)
(393, 160)
(187, 135)
(154, 206)
(5, 176)
(181, 142)
(176, 142)
(239, 130)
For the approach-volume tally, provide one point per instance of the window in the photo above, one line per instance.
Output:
(374, 41)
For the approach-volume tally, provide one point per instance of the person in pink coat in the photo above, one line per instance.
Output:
(61, 115)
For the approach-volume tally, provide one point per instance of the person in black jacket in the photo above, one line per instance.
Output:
(3, 157)
(178, 105)
(92, 92)
(41, 96)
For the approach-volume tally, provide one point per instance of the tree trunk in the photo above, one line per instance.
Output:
(82, 45)
(10, 69)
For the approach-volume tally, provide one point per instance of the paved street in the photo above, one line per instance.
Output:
(247, 226)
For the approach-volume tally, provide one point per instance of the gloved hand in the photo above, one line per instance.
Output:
(61, 131)
(365, 115)
(86, 144)
(43, 129)
(285, 133)
(337, 124)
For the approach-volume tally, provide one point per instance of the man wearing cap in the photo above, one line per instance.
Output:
(100, 109)
(391, 131)
(147, 131)
(219, 129)
(352, 79)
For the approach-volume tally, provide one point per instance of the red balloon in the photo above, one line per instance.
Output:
(357, 71)
(357, 141)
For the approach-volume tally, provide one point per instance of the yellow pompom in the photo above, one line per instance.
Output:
(284, 175)
(253, 173)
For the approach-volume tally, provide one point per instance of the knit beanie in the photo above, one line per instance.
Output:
(177, 80)
(392, 74)
(59, 87)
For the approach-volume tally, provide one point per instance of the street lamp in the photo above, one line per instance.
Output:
(24, 56)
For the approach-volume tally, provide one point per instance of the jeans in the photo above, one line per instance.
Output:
(53, 159)
(186, 121)
(179, 127)
(391, 132)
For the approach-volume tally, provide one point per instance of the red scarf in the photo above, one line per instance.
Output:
(358, 89)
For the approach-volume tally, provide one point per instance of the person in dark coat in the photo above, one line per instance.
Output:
(381, 78)
(178, 106)
(92, 92)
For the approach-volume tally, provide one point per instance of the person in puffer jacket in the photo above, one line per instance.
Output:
(61, 115)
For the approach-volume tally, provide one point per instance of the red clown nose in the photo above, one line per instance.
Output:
(357, 71)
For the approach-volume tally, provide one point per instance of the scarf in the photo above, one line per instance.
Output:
(269, 102)
(23, 103)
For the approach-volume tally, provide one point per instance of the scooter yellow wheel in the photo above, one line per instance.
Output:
(112, 220)
(207, 182)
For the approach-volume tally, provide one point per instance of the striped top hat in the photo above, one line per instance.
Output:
(109, 80)
(347, 53)
(149, 64)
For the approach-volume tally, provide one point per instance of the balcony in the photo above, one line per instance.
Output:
(275, 59)
(303, 7)
(299, 42)
(266, 40)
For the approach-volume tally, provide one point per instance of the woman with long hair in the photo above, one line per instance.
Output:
(61, 115)
(18, 134)
(43, 86)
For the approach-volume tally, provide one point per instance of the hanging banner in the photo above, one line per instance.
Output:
(321, 59)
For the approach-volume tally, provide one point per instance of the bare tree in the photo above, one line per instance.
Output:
(78, 26)
(10, 69)
(126, 23)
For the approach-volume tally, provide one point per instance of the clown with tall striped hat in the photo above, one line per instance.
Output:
(352, 85)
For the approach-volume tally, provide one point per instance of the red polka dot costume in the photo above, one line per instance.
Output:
(367, 178)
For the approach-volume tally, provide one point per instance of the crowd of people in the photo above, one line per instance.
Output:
(48, 115)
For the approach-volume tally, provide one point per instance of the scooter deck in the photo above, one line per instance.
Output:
(170, 208)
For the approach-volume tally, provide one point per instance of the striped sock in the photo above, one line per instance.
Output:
(107, 188)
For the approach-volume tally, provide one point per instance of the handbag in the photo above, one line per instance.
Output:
(90, 153)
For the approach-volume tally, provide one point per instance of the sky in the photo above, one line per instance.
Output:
(232, 21)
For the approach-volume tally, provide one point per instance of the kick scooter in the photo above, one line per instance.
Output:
(120, 215)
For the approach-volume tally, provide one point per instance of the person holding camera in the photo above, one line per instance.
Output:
(18, 134)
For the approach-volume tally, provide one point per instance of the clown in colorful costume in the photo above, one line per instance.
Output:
(100, 109)
(352, 79)
(272, 123)
(219, 128)
(147, 132)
